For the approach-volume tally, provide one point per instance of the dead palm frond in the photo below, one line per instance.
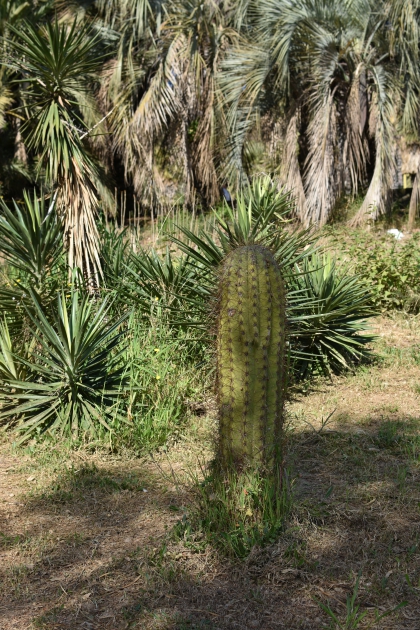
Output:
(323, 185)
(378, 196)
(162, 86)
(290, 168)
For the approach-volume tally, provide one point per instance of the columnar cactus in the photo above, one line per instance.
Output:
(251, 360)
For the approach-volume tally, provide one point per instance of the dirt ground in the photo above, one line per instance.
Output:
(86, 537)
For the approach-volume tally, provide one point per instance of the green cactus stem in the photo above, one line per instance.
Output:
(251, 361)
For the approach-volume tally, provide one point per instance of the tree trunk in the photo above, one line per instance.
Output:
(187, 163)
(20, 150)
(414, 202)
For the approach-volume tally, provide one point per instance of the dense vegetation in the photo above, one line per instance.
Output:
(170, 100)
(209, 343)
(72, 361)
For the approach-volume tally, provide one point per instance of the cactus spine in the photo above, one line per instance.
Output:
(251, 357)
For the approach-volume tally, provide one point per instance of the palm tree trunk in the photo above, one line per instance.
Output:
(414, 203)
(290, 170)
(378, 196)
(187, 163)
(20, 149)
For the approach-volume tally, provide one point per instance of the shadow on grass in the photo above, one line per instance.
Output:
(109, 560)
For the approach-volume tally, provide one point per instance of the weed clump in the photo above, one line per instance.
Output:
(236, 510)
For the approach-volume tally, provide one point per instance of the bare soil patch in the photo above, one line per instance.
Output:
(86, 542)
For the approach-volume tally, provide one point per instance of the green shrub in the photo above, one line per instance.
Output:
(389, 268)
(73, 370)
(326, 306)
(31, 245)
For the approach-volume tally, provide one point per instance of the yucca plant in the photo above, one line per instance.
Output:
(327, 310)
(171, 283)
(55, 67)
(31, 244)
(260, 208)
(8, 367)
(114, 255)
(74, 372)
(31, 238)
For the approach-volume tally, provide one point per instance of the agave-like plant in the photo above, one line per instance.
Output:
(55, 66)
(31, 238)
(169, 283)
(8, 367)
(31, 244)
(260, 208)
(74, 372)
(114, 255)
(326, 307)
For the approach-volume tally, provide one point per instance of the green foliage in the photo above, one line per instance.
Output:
(31, 244)
(330, 334)
(54, 61)
(8, 367)
(251, 361)
(63, 366)
(390, 269)
(114, 255)
(326, 307)
(235, 511)
(260, 208)
(164, 369)
(74, 374)
(166, 279)
(31, 239)
(55, 66)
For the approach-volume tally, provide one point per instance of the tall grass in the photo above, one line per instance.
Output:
(165, 370)
(236, 510)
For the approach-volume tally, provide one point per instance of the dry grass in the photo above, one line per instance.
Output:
(84, 546)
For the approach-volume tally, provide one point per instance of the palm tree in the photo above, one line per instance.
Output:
(161, 85)
(55, 66)
(332, 71)
(191, 86)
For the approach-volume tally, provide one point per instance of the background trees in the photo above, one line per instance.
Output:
(171, 100)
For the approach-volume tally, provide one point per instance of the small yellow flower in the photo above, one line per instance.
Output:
(156, 299)
(157, 349)
(18, 280)
(157, 377)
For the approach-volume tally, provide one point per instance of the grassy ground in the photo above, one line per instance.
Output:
(86, 537)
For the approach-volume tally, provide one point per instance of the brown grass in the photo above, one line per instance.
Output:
(83, 545)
